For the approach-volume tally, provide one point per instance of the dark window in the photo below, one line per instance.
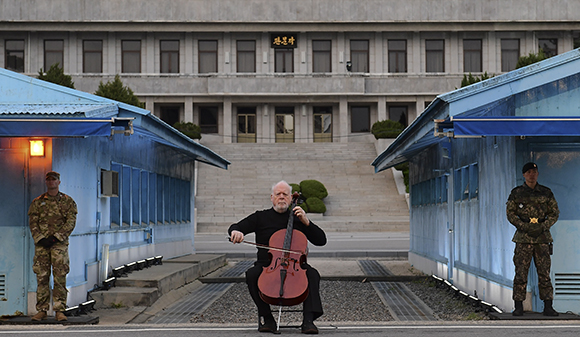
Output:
(170, 56)
(116, 201)
(549, 46)
(321, 56)
(435, 56)
(14, 56)
(397, 56)
(145, 198)
(510, 53)
(131, 56)
(246, 56)
(135, 195)
(472, 56)
(169, 114)
(398, 114)
(126, 196)
(284, 62)
(360, 119)
(53, 53)
(359, 55)
(161, 198)
(92, 56)
(208, 119)
(208, 56)
(152, 198)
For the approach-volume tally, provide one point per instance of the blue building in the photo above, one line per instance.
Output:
(465, 154)
(131, 175)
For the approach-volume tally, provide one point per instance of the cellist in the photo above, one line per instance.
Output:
(264, 223)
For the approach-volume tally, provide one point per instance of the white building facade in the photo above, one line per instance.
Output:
(270, 71)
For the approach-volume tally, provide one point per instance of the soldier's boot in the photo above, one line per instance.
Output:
(60, 316)
(519, 310)
(39, 316)
(548, 309)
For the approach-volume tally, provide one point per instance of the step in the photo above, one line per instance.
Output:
(355, 191)
(144, 287)
(329, 224)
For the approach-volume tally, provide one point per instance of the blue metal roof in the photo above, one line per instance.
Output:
(24, 96)
(516, 93)
(86, 110)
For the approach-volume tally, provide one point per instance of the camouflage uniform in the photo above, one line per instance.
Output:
(54, 216)
(532, 212)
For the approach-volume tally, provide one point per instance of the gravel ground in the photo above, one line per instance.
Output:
(343, 301)
(445, 306)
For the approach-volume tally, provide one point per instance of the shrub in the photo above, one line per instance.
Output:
(117, 91)
(387, 129)
(313, 191)
(469, 80)
(315, 205)
(189, 129)
(313, 188)
(531, 59)
(295, 188)
(404, 167)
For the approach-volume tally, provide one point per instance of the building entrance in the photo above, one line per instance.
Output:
(246, 125)
(15, 260)
(322, 124)
(284, 124)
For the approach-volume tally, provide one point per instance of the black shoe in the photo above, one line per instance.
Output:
(309, 328)
(549, 311)
(519, 309)
(267, 324)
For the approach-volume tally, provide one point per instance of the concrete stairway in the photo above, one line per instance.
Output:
(358, 199)
(145, 287)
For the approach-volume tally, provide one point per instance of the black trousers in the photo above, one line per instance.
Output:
(312, 304)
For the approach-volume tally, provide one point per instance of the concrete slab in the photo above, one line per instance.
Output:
(144, 287)
(74, 320)
(206, 262)
(125, 296)
(533, 316)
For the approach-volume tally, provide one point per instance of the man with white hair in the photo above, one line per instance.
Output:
(264, 224)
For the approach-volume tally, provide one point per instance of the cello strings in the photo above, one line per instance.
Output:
(268, 247)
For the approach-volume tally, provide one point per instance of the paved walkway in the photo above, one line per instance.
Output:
(340, 244)
(179, 304)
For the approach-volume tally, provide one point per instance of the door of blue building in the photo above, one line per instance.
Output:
(559, 169)
(14, 232)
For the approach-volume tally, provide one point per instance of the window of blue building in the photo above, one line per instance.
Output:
(147, 198)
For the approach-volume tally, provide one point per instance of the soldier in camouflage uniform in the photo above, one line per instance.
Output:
(52, 218)
(532, 209)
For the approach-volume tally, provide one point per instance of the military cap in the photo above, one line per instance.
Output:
(53, 174)
(529, 166)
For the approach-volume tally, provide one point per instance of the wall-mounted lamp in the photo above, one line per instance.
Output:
(37, 148)
(348, 65)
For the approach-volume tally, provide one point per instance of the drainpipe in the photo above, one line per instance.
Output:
(104, 264)
(451, 225)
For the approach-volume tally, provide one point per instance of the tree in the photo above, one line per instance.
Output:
(470, 79)
(116, 91)
(530, 59)
(56, 75)
(189, 129)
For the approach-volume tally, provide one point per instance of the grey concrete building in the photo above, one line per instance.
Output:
(282, 71)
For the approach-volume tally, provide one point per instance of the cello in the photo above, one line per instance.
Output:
(284, 281)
